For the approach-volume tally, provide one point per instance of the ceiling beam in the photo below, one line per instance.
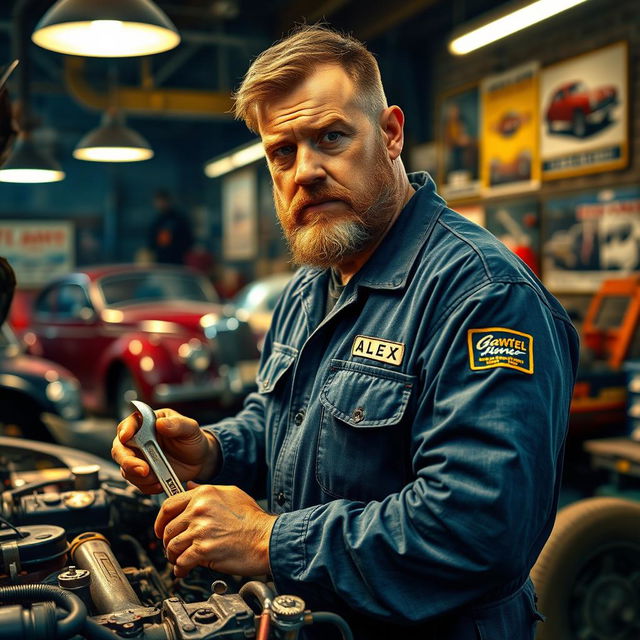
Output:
(368, 19)
(308, 11)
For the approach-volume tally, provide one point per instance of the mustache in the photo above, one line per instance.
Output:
(315, 195)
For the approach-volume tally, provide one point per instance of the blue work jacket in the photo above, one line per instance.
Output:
(411, 441)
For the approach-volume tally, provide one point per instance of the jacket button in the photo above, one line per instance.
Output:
(299, 417)
(358, 415)
(281, 498)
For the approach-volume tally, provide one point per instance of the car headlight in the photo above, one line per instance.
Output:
(65, 395)
(195, 355)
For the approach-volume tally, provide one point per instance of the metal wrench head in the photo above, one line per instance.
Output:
(147, 430)
(145, 440)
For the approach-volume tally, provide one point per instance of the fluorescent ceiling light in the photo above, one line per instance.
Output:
(106, 28)
(113, 141)
(30, 165)
(508, 24)
(234, 160)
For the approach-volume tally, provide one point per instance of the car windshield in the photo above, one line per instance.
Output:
(154, 286)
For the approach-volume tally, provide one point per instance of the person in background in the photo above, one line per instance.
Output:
(413, 391)
(170, 235)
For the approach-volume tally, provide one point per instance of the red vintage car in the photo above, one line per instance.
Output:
(578, 110)
(157, 333)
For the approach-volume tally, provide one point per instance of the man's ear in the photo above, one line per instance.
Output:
(392, 123)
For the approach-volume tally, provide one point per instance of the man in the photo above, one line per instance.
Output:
(170, 234)
(413, 390)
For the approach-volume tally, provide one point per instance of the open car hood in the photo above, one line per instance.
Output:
(7, 287)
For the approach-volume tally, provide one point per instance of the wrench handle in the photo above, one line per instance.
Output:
(164, 471)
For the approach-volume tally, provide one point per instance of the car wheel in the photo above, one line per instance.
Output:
(579, 124)
(124, 391)
(20, 418)
(588, 574)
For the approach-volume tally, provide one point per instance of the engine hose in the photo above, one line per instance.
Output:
(259, 590)
(264, 625)
(335, 620)
(77, 612)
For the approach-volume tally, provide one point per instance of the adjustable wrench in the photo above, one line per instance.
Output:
(145, 440)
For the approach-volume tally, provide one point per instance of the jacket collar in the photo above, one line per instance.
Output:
(389, 266)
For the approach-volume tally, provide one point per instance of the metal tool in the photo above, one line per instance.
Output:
(145, 440)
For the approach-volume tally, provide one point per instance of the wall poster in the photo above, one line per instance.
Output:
(37, 250)
(458, 128)
(510, 159)
(517, 224)
(584, 108)
(239, 215)
(590, 237)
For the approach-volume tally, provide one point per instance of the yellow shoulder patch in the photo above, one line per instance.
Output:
(494, 347)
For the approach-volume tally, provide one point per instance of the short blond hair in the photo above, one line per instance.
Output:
(278, 69)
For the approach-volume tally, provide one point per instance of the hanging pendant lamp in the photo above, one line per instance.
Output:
(113, 141)
(106, 28)
(28, 164)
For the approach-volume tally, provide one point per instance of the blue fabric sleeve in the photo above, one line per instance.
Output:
(242, 446)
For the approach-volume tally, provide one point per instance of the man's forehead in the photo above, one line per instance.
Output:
(327, 88)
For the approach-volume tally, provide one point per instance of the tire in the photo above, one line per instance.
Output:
(588, 574)
(124, 390)
(579, 124)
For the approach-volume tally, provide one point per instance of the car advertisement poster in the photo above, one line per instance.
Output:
(584, 108)
(589, 237)
(517, 224)
(37, 251)
(458, 128)
(239, 215)
(510, 160)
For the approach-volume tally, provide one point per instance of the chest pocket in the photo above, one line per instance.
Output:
(281, 358)
(363, 444)
(271, 382)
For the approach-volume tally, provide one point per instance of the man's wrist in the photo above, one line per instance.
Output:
(212, 463)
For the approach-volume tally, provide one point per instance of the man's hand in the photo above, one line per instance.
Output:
(218, 527)
(193, 453)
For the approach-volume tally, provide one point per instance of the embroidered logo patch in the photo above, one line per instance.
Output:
(376, 349)
(499, 347)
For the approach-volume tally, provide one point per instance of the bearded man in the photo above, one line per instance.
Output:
(406, 433)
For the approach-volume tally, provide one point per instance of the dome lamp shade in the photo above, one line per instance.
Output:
(113, 141)
(106, 28)
(28, 164)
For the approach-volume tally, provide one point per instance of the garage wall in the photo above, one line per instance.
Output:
(594, 24)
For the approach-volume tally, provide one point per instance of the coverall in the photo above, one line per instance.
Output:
(411, 441)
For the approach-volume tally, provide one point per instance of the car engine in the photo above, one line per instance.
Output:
(78, 559)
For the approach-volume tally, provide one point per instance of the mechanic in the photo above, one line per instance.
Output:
(413, 391)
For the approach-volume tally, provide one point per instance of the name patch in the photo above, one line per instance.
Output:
(500, 347)
(376, 349)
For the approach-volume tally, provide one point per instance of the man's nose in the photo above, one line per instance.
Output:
(309, 168)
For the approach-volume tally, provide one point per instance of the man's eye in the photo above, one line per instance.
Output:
(283, 152)
(332, 136)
